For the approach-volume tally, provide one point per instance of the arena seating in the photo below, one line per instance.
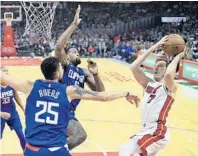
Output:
(101, 22)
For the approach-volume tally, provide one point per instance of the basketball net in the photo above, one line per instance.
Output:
(39, 19)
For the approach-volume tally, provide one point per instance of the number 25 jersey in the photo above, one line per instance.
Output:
(46, 114)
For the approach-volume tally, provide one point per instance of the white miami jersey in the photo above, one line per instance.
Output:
(156, 103)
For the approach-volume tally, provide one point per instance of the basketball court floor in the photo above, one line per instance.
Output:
(111, 124)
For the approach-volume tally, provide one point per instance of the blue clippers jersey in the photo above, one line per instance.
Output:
(74, 76)
(46, 113)
(7, 99)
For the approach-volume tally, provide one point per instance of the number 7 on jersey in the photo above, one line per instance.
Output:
(152, 96)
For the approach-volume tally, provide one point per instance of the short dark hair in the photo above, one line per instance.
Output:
(49, 66)
(162, 59)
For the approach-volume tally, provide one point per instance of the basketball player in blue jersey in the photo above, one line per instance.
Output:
(74, 75)
(48, 105)
(8, 111)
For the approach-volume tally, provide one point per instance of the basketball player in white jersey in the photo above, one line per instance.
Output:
(158, 98)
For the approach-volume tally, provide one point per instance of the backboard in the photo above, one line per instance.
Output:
(15, 12)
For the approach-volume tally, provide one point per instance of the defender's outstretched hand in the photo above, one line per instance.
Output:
(133, 99)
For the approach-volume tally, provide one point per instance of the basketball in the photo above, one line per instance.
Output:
(174, 45)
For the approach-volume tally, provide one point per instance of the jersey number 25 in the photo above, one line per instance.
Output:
(47, 108)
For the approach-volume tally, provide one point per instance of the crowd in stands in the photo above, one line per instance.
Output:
(144, 38)
(96, 36)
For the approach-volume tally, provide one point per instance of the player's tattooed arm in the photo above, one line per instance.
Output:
(64, 38)
(19, 85)
(75, 92)
(81, 92)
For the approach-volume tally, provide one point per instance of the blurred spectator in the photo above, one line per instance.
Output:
(105, 28)
(195, 53)
(91, 49)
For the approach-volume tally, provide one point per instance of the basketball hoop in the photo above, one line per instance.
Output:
(39, 18)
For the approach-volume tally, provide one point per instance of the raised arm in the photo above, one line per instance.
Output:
(18, 100)
(75, 92)
(19, 85)
(171, 71)
(93, 79)
(94, 82)
(139, 75)
(63, 39)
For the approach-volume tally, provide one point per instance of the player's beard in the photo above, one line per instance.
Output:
(158, 77)
(77, 62)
